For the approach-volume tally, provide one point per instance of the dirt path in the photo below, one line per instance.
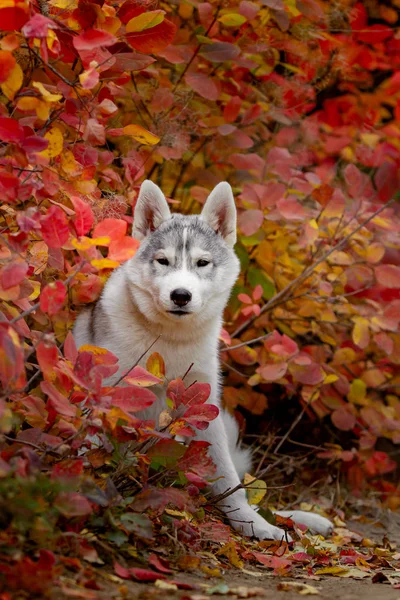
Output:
(261, 584)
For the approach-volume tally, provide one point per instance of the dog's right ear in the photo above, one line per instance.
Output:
(150, 211)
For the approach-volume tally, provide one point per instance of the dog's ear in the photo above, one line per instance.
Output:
(220, 212)
(150, 211)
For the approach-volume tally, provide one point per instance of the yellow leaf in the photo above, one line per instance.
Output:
(360, 333)
(146, 20)
(375, 252)
(165, 585)
(48, 96)
(291, 8)
(337, 571)
(36, 289)
(104, 263)
(85, 243)
(11, 86)
(330, 379)
(140, 134)
(304, 589)
(370, 139)
(69, 165)
(185, 10)
(232, 20)
(358, 391)
(56, 143)
(256, 489)
(229, 550)
(64, 4)
(93, 349)
(155, 365)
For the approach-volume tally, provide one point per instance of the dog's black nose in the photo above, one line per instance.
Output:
(181, 297)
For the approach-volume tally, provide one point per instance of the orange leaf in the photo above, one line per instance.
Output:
(115, 229)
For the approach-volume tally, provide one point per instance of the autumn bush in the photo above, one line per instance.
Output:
(296, 103)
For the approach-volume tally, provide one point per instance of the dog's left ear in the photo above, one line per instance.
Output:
(150, 211)
(220, 212)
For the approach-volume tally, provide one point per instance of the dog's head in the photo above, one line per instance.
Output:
(185, 266)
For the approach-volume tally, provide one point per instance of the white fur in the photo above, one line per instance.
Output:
(133, 313)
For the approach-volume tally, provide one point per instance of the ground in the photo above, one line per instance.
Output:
(259, 582)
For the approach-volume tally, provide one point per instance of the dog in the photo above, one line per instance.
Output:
(175, 289)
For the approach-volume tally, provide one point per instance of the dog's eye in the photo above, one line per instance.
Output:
(163, 261)
(202, 262)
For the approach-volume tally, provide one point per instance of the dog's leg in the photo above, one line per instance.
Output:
(315, 523)
(241, 516)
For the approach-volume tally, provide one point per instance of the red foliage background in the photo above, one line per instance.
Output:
(296, 103)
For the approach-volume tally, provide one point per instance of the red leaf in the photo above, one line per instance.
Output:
(72, 504)
(196, 394)
(11, 131)
(13, 274)
(47, 357)
(129, 61)
(132, 399)
(197, 459)
(175, 392)
(7, 64)
(373, 34)
(70, 468)
(273, 372)
(232, 109)
(34, 143)
(203, 85)
(309, 374)
(54, 225)
(121, 571)
(145, 574)
(123, 249)
(84, 218)
(60, 403)
(93, 38)
(115, 229)
(343, 419)
(70, 350)
(141, 377)
(14, 17)
(387, 180)
(200, 416)
(220, 51)
(52, 298)
(388, 276)
(157, 563)
(153, 40)
(250, 221)
(38, 26)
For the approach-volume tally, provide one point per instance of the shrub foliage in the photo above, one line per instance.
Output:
(296, 103)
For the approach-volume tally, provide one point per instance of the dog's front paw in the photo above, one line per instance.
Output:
(320, 525)
(315, 523)
(249, 523)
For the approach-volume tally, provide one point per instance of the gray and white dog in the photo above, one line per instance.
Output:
(176, 287)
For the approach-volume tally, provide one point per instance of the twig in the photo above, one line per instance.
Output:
(309, 270)
(289, 431)
(195, 53)
(125, 373)
(249, 343)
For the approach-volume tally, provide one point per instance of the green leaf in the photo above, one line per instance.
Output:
(256, 276)
(232, 20)
(138, 524)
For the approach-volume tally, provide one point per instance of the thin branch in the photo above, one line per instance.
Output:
(125, 373)
(309, 270)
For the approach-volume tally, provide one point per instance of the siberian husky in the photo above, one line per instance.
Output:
(175, 289)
